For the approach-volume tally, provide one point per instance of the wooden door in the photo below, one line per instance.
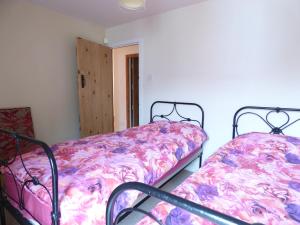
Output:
(95, 87)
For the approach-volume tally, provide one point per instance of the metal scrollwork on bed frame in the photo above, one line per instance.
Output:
(5, 203)
(174, 110)
(192, 207)
(275, 129)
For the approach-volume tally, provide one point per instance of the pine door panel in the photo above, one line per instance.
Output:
(95, 87)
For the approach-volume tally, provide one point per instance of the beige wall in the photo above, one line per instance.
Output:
(119, 61)
(38, 65)
(220, 54)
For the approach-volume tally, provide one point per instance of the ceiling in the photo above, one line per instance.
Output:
(108, 13)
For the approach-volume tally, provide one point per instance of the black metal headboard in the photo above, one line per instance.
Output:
(267, 111)
(174, 110)
(55, 214)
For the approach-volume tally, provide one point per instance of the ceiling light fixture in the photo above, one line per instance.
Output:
(133, 4)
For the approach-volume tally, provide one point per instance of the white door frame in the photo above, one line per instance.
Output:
(139, 42)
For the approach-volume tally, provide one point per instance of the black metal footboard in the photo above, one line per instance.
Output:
(5, 164)
(199, 210)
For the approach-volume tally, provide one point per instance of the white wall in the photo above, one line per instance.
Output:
(119, 68)
(222, 55)
(38, 66)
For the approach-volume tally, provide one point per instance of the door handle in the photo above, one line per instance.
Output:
(82, 81)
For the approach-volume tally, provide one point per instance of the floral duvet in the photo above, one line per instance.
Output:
(91, 168)
(255, 177)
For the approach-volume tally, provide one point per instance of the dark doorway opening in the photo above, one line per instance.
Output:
(132, 86)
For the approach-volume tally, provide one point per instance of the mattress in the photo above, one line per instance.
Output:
(91, 168)
(255, 177)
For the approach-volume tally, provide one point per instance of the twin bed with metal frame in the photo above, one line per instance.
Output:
(70, 182)
(254, 178)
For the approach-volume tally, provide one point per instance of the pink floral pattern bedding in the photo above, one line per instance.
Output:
(255, 177)
(91, 168)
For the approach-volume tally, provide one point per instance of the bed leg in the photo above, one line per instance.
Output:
(200, 160)
(2, 210)
(3, 222)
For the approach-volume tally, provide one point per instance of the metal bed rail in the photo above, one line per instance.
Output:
(192, 207)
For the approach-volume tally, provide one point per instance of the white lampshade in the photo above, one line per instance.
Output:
(132, 4)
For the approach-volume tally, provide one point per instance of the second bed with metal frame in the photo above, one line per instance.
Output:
(194, 208)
